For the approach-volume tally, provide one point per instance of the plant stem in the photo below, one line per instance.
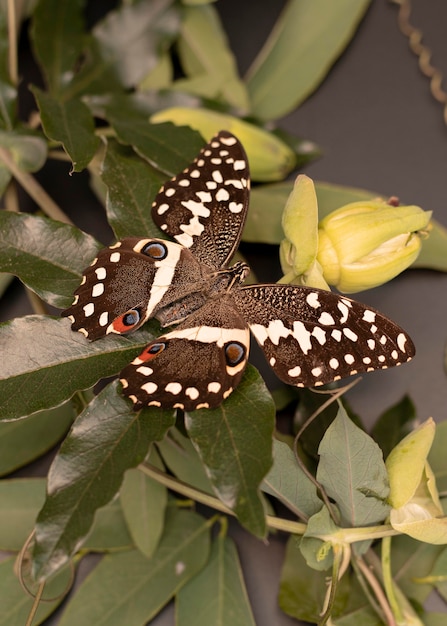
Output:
(12, 37)
(377, 590)
(32, 187)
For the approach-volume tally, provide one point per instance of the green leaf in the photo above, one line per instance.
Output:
(20, 501)
(132, 185)
(167, 148)
(38, 349)
(436, 456)
(109, 437)
(109, 531)
(394, 424)
(352, 471)
(144, 502)
(317, 551)
(217, 595)
(16, 604)
(28, 150)
(433, 253)
(8, 92)
(125, 46)
(25, 440)
(288, 482)
(128, 588)
(205, 55)
(46, 255)
(304, 43)
(58, 37)
(182, 459)
(71, 124)
(235, 444)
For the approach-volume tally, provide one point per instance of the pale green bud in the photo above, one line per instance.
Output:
(365, 244)
(270, 158)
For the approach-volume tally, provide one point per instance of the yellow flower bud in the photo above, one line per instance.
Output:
(365, 244)
(270, 158)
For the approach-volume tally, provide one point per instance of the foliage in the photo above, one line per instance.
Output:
(122, 482)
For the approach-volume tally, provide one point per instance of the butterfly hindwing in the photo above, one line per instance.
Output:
(312, 337)
(197, 365)
(204, 208)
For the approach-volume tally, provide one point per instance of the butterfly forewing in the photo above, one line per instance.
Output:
(312, 337)
(204, 208)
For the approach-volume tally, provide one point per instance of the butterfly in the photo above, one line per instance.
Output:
(309, 336)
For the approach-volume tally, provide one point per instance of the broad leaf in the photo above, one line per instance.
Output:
(109, 531)
(144, 501)
(128, 588)
(288, 482)
(23, 441)
(27, 149)
(217, 595)
(46, 255)
(20, 501)
(167, 148)
(58, 37)
(305, 42)
(205, 55)
(37, 349)
(132, 185)
(352, 471)
(71, 124)
(235, 444)
(125, 46)
(109, 437)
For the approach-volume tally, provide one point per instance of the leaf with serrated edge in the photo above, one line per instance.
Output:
(144, 501)
(46, 255)
(39, 348)
(352, 471)
(109, 437)
(217, 595)
(132, 185)
(235, 444)
(127, 588)
(287, 482)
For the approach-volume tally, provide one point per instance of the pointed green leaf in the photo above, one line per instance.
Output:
(288, 482)
(183, 461)
(109, 531)
(71, 124)
(127, 588)
(205, 54)
(217, 595)
(20, 501)
(58, 37)
(167, 148)
(132, 185)
(125, 46)
(109, 437)
(23, 441)
(44, 355)
(46, 255)
(144, 501)
(352, 471)
(235, 444)
(16, 604)
(306, 40)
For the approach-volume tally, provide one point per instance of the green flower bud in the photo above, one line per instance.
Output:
(270, 158)
(365, 244)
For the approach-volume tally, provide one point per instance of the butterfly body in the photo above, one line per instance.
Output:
(309, 336)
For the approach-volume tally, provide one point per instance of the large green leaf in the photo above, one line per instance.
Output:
(207, 59)
(288, 482)
(217, 595)
(46, 255)
(167, 148)
(45, 362)
(127, 588)
(132, 185)
(125, 46)
(71, 124)
(235, 444)
(352, 471)
(305, 42)
(8, 92)
(106, 439)
(58, 37)
(23, 441)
